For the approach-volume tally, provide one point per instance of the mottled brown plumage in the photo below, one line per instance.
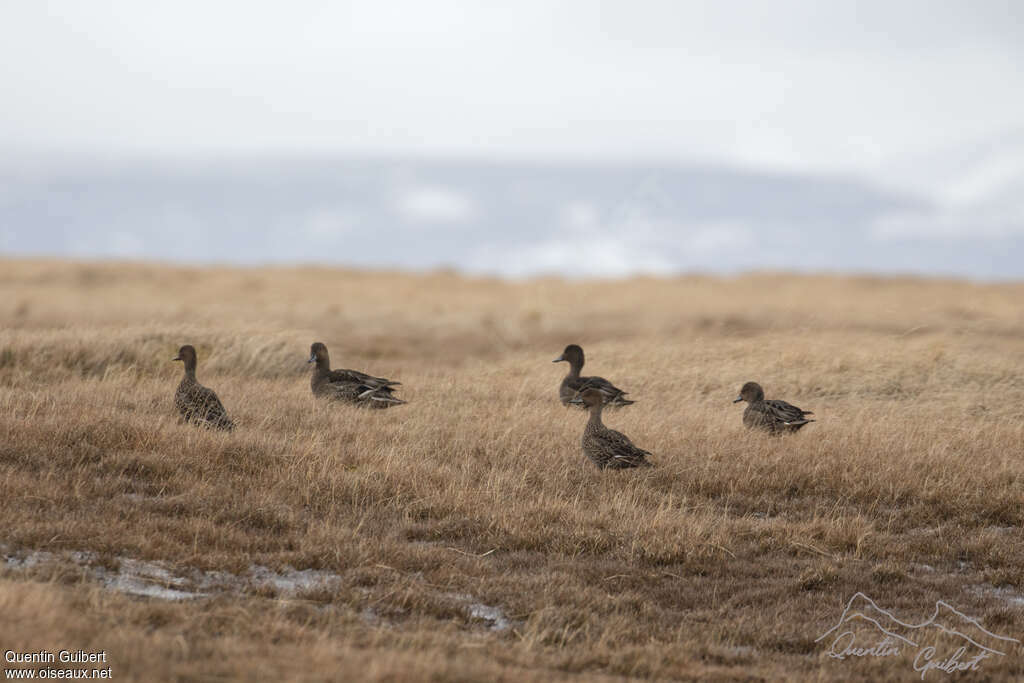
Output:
(349, 385)
(573, 384)
(196, 403)
(771, 415)
(607, 448)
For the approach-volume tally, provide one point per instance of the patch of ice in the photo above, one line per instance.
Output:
(496, 619)
(80, 556)
(27, 561)
(135, 585)
(156, 581)
(292, 581)
(132, 577)
(146, 579)
(1005, 594)
(494, 616)
(153, 580)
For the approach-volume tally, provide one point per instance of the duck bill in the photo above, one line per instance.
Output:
(178, 357)
(737, 399)
(312, 359)
(559, 359)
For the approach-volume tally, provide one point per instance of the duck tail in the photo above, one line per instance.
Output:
(388, 399)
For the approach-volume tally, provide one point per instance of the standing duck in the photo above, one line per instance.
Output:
(349, 385)
(573, 384)
(607, 448)
(195, 402)
(771, 415)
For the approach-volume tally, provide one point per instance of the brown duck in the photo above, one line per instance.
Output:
(349, 385)
(772, 415)
(196, 403)
(573, 384)
(607, 448)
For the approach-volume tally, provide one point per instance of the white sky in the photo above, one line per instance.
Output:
(845, 86)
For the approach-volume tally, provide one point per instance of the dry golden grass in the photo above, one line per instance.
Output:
(726, 560)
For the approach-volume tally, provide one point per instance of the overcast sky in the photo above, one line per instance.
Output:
(892, 131)
(862, 87)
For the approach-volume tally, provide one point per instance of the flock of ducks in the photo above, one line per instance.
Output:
(605, 447)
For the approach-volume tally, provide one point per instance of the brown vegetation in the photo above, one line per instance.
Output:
(728, 559)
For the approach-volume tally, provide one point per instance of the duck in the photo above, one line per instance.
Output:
(606, 448)
(771, 415)
(349, 385)
(196, 403)
(573, 384)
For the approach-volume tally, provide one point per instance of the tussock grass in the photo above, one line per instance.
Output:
(726, 560)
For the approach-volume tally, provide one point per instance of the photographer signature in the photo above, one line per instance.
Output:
(898, 636)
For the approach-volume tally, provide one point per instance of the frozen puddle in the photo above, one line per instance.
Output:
(1005, 594)
(292, 581)
(496, 619)
(493, 616)
(147, 580)
(153, 580)
(156, 581)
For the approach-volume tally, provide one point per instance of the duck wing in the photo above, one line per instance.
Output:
(786, 413)
(356, 377)
(201, 404)
(621, 451)
(379, 397)
(359, 388)
(613, 396)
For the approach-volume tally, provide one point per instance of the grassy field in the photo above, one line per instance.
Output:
(464, 536)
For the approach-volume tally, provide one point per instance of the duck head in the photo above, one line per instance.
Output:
(589, 398)
(318, 355)
(187, 354)
(573, 355)
(750, 393)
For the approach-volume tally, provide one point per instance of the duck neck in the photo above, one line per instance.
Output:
(190, 369)
(595, 415)
(574, 369)
(323, 364)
